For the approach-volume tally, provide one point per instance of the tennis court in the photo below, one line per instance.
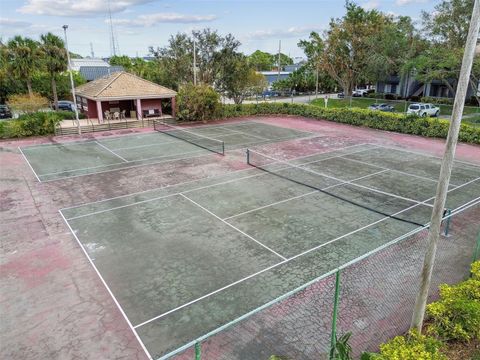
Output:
(58, 161)
(184, 260)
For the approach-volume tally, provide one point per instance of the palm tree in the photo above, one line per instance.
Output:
(22, 58)
(54, 59)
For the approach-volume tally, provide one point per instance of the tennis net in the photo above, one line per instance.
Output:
(205, 142)
(301, 175)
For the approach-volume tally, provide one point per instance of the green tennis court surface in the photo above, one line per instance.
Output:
(185, 260)
(58, 161)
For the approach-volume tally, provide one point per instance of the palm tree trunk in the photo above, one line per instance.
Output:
(29, 87)
(54, 91)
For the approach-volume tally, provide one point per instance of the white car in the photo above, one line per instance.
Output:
(423, 110)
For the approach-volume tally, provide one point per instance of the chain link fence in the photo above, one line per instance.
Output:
(372, 297)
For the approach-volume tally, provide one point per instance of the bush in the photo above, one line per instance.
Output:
(437, 100)
(197, 102)
(39, 123)
(25, 103)
(410, 347)
(456, 316)
(407, 124)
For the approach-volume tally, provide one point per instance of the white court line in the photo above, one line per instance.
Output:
(424, 154)
(394, 170)
(28, 162)
(300, 196)
(211, 177)
(232, 226)
(107, 287)
(111, 151)
(293, 257)
(147, 145)
(168, 195)
(334, 178)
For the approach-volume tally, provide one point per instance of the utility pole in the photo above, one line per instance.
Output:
(65, 27)
(446, 168)
(113, 46)
(279, 52)
(91, 51)
(194, 62)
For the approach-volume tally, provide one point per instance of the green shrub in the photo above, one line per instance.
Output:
(407, 124)
(456, 316)
(197, 102)
(410, 347)
(437, 100)
(342, 349)
(39, 123)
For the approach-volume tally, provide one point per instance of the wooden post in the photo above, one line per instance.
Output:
(139, 109)
(99, 112)
(446, 168)
(173, 107)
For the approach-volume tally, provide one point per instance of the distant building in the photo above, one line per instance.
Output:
(273, 76)
(92, 69)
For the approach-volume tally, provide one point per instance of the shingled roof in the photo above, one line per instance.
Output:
(123, 86)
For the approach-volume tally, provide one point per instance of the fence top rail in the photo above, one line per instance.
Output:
(454, 212)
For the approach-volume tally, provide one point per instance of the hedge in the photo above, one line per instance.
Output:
(406, 124)
(39, 123)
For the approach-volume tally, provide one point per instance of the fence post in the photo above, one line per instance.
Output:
(198, 350)
(476, 252)
(333, 339)
(447, 224)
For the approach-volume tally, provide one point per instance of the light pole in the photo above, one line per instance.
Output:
(65, 27)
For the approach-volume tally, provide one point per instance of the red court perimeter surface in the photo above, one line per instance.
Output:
(53, 305)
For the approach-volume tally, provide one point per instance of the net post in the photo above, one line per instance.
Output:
(333, 339)
(476, 251)
(223, 147)
(198, 350)
(248, 156)
(447, 224)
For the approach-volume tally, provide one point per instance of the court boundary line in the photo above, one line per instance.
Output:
(394, 170)
(302, 287)
(232, 226)
(28, 162)
(208, 177)
(300, 196)
(301, 254)
(167, 195)
(241, 147)
(147, 353)
(147, 145)
(427, 155)
(111, 151)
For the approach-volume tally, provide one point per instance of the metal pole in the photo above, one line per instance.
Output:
(447, 224)
(65, 27)
(279, 52)
(333, 339)
(446, 169)
(194, 62)
(198, 351)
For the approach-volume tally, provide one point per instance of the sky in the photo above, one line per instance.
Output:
(138, 24)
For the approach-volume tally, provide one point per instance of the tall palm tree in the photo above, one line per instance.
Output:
(22, 57)
(54, 59)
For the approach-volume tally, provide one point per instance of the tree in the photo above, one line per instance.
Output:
(22, 59)
(261, 61)
(346, 53)
(238, 79)
(54, 59)
(197, 102)
(313, 48)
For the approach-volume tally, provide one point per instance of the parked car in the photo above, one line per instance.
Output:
(340, 95)
(269, 93)
(423, 109)
(382, 107)
(66, 105)
(5, 112)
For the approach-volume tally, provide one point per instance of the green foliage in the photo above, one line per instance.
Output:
(25, 103)
(39, 123)
(342, 349)
(197, 102)
(456, 316)
(435, 100)
(411, 347)
(407, 124)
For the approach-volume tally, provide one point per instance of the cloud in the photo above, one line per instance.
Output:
(153, 19)
(408, 2)
(11, 27)
(77, 7)
(294, 31)
(13, 23)
(373, 4)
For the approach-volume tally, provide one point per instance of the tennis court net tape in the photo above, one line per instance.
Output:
(205, 142)
(266, 163)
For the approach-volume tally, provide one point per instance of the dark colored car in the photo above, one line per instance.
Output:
(340, 95)
(5, 112)
(382, 107)
(65, 105)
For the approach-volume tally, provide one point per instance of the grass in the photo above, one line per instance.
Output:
(399, 105)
